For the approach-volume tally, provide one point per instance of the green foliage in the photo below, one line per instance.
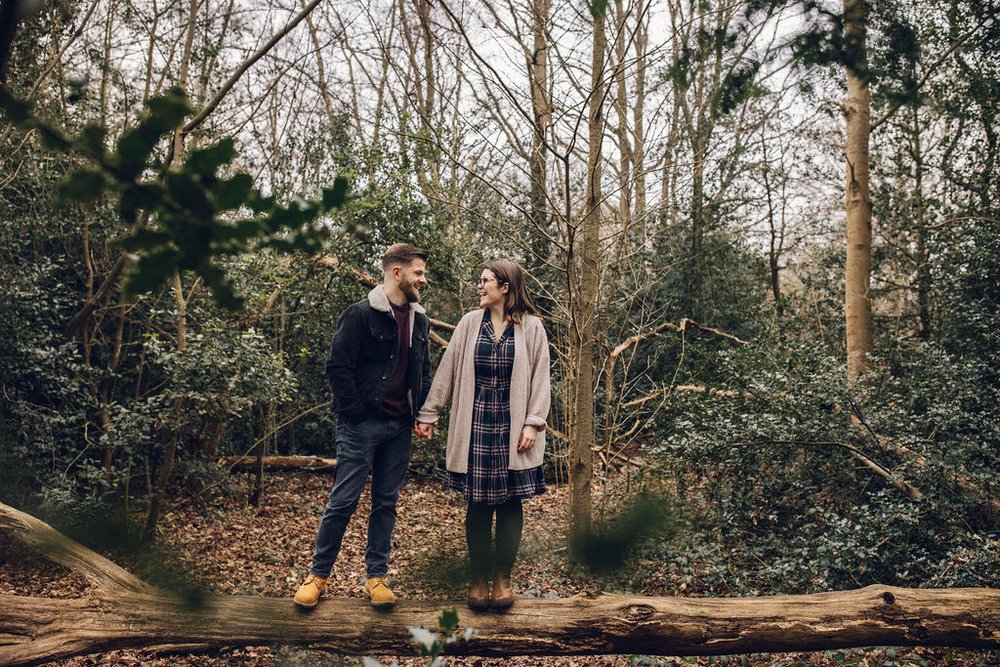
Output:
(598, 8)
(737, 87)
(431, 644)
(723, 44)
(45, 386)
(242, 378)
(822, 42)
(771, 497)
(776, 502)
(221, 375)
(199, 214)
(895, 53)
(381, 213)
(611, 541)
(733, 279)
(967, 271)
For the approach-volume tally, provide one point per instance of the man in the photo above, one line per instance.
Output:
(379, 370)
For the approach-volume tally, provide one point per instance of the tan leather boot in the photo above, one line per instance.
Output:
(310, 590)
(378, 591)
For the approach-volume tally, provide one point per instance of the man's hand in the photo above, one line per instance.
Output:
(527, 441)
(425, 431)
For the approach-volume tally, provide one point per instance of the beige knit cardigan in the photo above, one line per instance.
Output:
(455, 383)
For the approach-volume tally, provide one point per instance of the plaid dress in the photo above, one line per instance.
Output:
(489, 480)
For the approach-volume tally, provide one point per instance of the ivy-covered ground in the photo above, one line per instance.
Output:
(228, 547)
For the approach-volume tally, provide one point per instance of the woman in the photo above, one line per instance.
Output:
(495, 374)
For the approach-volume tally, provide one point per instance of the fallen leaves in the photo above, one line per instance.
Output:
(229, 547)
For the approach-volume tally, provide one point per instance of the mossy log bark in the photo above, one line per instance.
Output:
(125, 612)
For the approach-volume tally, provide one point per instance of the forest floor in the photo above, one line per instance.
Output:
(229, 547)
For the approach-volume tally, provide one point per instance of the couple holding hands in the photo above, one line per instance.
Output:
(494, 374)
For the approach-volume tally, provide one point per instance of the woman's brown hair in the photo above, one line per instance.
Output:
(516, 301)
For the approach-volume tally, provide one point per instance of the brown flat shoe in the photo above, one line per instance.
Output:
(503, 591)
(479, 595)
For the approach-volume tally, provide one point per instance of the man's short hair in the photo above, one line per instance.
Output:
(401, 254)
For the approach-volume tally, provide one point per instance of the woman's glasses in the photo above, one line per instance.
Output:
(483, 281)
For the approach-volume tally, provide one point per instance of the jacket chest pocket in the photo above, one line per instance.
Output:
(418, 345)
(382, 339)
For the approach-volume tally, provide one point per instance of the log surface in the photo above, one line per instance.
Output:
(34, 630)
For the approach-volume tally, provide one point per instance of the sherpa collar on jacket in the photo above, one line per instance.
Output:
(379, 301)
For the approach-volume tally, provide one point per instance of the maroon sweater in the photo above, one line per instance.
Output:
(395, 404)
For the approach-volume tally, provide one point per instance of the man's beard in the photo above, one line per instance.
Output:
(409, 291)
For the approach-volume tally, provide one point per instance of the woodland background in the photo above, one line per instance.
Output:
(671, 174)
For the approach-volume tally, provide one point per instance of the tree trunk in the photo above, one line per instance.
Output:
(258, 476)
(125, 612)
(41, 630)
(696, 241)
(424, 80)
(324, 88)
(541, 116)
(776, 236)
(922, 254)
(582, 437)
(167, 464)
(104, 393)
(622, 102)
(261, 453)
(638, 110)
(858, 305)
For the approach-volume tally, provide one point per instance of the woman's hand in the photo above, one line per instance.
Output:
(527, 441)
(425, 431)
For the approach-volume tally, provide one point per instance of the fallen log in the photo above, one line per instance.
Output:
(34, 631)
(248, 463)
(124, 612)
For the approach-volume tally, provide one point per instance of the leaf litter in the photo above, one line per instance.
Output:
(229, 547)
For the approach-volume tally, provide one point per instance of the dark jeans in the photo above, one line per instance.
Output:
(483, 558)
(380, 446)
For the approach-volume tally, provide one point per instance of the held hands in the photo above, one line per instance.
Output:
(425, 431)
(527, 441)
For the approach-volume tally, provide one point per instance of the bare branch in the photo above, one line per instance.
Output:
(245, 65)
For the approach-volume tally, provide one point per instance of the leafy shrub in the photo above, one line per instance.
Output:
(777, 502)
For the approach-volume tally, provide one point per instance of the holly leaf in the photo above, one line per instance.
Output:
(143, 239)
(82, 186)
(167, 111)
(152, 270)
(92, 139)
(335, 196)
(206, 161)
(448, 620)
(17, 110)
(233, 192)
